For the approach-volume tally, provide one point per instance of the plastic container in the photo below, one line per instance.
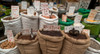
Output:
(45, 21)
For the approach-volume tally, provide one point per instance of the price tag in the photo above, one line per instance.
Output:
(26, 31)
(78, 18)
(51, 28)
(68, 28)
(10, 36)
(45, 9)
(97, 8)
(86, 31)
(92, 14)
(71, 9)
(64, 18)
(37, 4)
(50, 4)
(30, 11)
(79, 28)
(15, 11)
(24, 5)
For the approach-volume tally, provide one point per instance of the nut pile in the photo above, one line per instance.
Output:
(7, 45)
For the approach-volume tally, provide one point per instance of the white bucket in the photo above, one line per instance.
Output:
(14, 25)
(9, 51)
(92, 50)
(45, 21)
(29, 21)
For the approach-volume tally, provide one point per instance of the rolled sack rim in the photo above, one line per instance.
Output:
(6, 21)
(43, 18)
(21, 41)
(50, 38)
(6, 50)
(25, 15)
(78, 41)
(51, 9)
(92, 49)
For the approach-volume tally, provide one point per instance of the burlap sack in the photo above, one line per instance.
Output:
(27, 46)
(49, 44)
(75, 46)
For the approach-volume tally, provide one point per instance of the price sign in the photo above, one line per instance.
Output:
(79, 28)
(50, 4)
(15, 11)
(78, 18)
(24, 5)
(86, 31)
(71, 9)
(30, 11)
(37, 4)
(51, 28)
(45, 9)
(92, 15)
(68, 28)
(64, 18)
(26, 31)
(10, 36)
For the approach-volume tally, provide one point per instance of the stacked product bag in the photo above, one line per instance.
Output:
(75, 42)
(50, 41)
(27, 44)
(46, 20)
(13, 24)
(94, 47)
(8, 47)
(29, 21)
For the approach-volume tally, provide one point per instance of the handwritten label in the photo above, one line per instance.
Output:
(78, 18)
(30, 11)
(37, 4)
(71, 9)
(26, 31)
(51, 28)
(50, 4)
(79, 28)
(10, 36)
(68, 28)
(45, 9)
(15, 11)
(86, 31)
(24, 5)
(64, 18)
(92, 14)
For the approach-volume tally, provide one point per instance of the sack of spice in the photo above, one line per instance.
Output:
(13, 24)
(54, 10)
(8, 47)
(29, 21)
(27, 44)
(50, 41)
(94, 47)
(75, 42)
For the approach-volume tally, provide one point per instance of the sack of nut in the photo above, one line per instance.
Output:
(27, 45)
(8, 47)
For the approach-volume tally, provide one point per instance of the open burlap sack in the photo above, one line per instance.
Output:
(75, 46)
(50, 44)
(27, 46)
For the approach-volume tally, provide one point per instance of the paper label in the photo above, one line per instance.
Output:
(51, 28)
(68, 28)
(45, 9)
(30, 11)
(26, 31)
(71, 9)
(79, 28)
(15, 11)
(92, 14)
(10, 36)
(97, 8)
(86, 31)
(78, 18)
(37, 4)
(64, 18)
(24, 5)
(50, 4)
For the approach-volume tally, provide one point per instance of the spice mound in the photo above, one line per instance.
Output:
(54, 9)
(52, 33)
(26, 37)
(9, 18)
(50, 17)
(7, 45)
